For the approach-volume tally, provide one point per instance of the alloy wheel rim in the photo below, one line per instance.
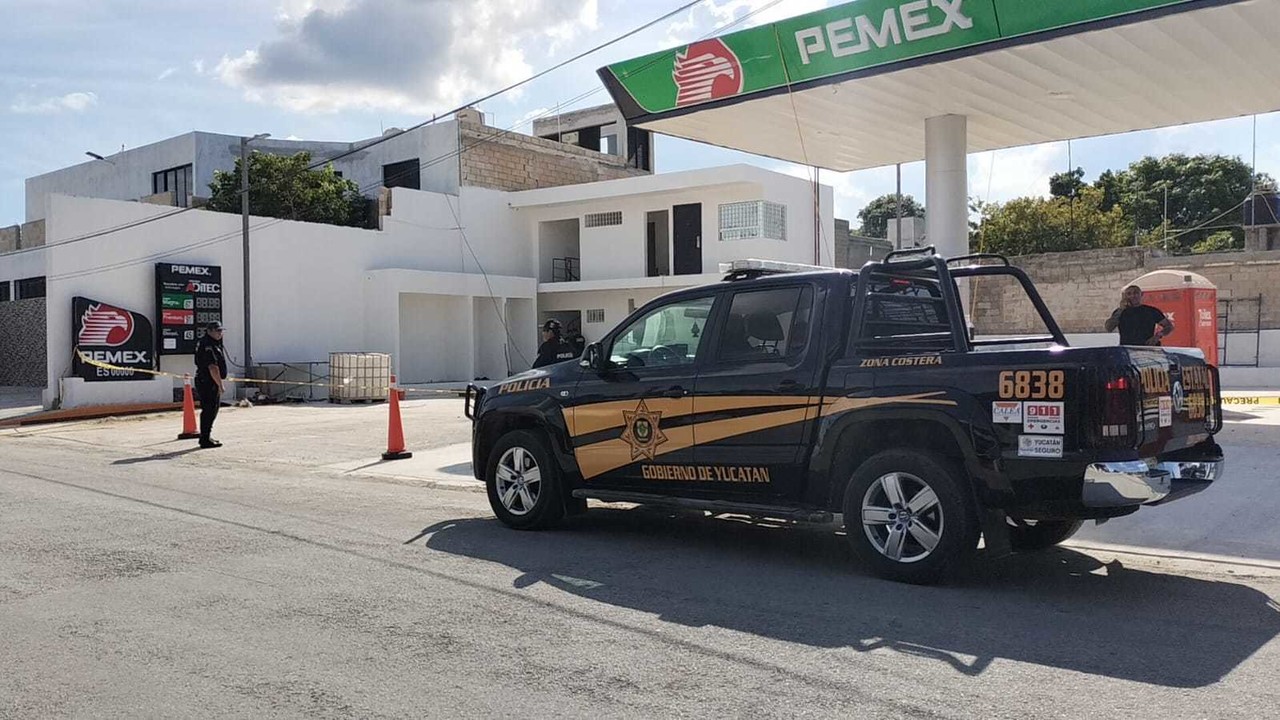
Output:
(519, 481)
(902, 517)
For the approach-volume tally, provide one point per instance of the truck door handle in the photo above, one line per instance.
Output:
(675, 392)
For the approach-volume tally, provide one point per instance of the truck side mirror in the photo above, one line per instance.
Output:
(593, 357)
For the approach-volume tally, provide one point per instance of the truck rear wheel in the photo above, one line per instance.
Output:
(524, 483)
(1031, 535)
(909, 516)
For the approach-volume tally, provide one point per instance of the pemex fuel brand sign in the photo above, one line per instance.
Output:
(187, 298)
(843, 39)
(113, 336)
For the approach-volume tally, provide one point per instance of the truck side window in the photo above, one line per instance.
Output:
(766, 325)
(663, 337)
(902, 316)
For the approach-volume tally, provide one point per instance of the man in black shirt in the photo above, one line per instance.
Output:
(1139, 324)
(211, 370)
(554, 348)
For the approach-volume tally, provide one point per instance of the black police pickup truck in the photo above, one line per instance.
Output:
(798, 395)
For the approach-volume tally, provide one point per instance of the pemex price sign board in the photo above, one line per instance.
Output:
(187, 297)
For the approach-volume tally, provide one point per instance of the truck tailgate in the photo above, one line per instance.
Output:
(1179, 401)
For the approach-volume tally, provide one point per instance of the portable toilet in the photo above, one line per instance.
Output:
(1190, 301)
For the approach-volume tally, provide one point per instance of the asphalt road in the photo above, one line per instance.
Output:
(142, 580)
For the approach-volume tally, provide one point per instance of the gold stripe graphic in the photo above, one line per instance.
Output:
(608, 455)
(834, 406)
(587, 419)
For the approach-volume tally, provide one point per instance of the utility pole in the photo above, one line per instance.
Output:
(898, 220)
(244, 239)
(1166, 216)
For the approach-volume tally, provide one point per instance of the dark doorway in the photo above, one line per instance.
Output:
(687, 220)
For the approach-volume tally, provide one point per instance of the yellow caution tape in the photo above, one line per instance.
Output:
(1249, 400)
(345, 384)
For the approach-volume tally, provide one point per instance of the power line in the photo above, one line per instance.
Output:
(513, 86)
(424, 165)
(385, 138)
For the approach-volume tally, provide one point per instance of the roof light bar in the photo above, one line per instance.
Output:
(768, 266)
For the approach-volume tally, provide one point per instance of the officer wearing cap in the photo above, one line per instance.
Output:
(554, 348)
(211, 371)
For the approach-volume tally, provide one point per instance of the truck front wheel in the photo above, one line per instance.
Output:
(523, 482)
(908, 515)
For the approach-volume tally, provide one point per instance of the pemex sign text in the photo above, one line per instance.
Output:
(112, 336)
(849, 38)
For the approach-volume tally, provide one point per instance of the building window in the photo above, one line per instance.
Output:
(28, 288)
(602, 219)
(753, 219)
(4, 291)
(595, 316)
(406, 174)
(175, 180)
(638, 149)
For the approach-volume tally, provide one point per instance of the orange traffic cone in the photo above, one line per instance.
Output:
(189, 431)
(395, 432)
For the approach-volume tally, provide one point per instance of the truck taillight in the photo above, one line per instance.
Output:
(1119, 410)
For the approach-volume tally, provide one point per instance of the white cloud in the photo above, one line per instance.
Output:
(198, 66)
(418, 56)
(71, 102)
(168, 73)
(1017, 172)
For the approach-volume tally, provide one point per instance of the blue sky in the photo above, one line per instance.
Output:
(79, 76)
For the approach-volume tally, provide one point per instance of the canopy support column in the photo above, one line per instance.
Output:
(946, 182)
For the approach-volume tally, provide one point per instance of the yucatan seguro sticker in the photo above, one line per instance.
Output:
(1040, 446)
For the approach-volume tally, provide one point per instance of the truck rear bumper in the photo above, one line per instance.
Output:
(1139, 482)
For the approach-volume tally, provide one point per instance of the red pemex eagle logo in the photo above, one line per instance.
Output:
(105, 325)
(706, 70)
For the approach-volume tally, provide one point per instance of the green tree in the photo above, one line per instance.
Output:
(1221, 241)
(1067, 184)
(281, 186)
(1024, 226)
(1204, 192)
(878, 213)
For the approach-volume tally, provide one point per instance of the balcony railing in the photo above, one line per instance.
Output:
(566, 269)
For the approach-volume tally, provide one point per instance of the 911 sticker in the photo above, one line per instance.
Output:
(1006, 413)
(1040, 446)
(1043, 417)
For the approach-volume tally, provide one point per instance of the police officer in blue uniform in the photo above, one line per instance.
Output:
(211, 372)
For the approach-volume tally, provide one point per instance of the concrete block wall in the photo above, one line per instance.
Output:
(18, 237)
(1082, 288)
(511, 161)
(22, 343)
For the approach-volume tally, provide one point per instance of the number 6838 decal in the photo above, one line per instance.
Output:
(1032, 385)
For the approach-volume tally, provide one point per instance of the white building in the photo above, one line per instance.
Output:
(183, 166)
(638, 238)
(454, 283)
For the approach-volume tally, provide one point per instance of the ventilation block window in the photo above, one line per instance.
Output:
(602, 219)
(753, 219)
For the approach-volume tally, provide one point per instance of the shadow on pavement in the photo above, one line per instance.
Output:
(1059, 608)
(156, 457)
